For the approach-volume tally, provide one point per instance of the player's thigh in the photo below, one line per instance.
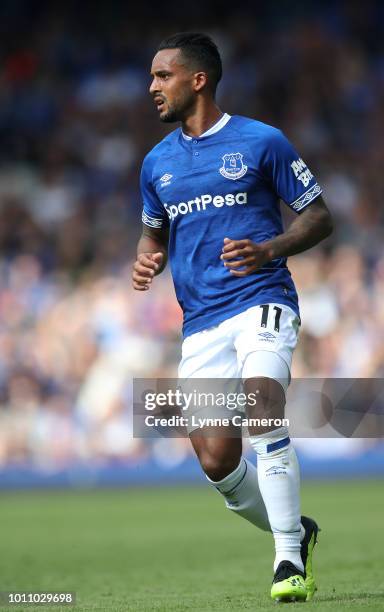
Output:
(208, 354)
(265, 340)
(208, 370)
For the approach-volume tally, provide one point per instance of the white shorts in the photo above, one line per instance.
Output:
(258, 342)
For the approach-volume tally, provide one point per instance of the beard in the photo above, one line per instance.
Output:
(170, 115)
(178, 110)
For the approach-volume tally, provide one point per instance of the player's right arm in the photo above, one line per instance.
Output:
(152, 253)
(152, 248)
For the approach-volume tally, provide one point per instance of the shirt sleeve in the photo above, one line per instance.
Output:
(289, 175)
(154, 214)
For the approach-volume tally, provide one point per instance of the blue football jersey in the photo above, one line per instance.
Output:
(225, 183)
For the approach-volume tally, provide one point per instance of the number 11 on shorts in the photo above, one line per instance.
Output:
(264, 316)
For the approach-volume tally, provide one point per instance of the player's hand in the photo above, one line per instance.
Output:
(244, 257)
(145, 268)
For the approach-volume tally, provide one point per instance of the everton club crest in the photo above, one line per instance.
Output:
(233, 167)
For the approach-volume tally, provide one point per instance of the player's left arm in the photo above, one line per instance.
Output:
(308, 229)
(292, 181)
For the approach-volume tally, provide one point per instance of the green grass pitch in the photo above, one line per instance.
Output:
(169, 549)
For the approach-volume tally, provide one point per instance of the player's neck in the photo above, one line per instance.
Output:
(201, 120)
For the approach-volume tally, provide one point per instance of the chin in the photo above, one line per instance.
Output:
(169, 117)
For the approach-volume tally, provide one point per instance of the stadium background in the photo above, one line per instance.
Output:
(75, 123)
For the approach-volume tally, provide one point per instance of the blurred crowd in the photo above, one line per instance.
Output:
(75, 122)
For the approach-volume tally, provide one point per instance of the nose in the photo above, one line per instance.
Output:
(153, 86)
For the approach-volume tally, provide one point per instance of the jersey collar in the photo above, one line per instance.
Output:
(212, 130)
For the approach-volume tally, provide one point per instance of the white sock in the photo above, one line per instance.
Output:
(242, 494)
(279, 482)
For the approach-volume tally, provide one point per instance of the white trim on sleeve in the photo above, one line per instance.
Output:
(151, 221)
(306, 198)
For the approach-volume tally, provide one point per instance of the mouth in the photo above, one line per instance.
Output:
(160, 103)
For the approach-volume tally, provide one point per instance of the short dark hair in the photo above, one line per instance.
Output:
(199, 50)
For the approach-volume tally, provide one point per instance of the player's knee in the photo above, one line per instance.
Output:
(218, 467)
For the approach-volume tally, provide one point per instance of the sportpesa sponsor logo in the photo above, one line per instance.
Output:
(200, 203)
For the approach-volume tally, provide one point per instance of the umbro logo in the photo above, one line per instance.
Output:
(166, 179)
(267, 335)
(275, 469)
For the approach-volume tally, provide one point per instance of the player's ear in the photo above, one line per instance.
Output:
(200, 80)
